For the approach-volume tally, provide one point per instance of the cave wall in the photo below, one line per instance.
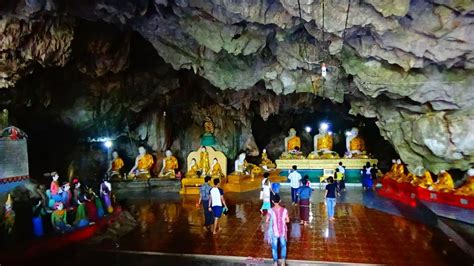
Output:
(406, 63)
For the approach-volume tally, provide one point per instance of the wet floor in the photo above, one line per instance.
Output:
(360, 234)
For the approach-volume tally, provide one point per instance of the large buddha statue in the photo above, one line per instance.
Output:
(204, 161)
(143, 164)
(444, 183)
(467, 189)
(393, 169)
(292, 142)
(323, 144)
(355, 145)
(266, 163)
(193, 169)
(170, 164)
(216, 170)
(115, 165)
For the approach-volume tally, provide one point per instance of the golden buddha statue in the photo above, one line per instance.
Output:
(170, 164)
(204, 161)
(444, 183)
(115, 165)
(292, 141)
(467, 189)
(423, 178)
(216, 170)
(323, 144)
(355, 145)
(193, 168)
(143, 164)
(266, 163)
(391, 172)
(399, 170)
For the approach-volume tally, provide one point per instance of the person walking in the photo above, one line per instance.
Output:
(277, 218)
(338, 176)
(204, 195)
(294, 178)
(266, 195)
(373, 175)
(342, 169)
(330, 197)
(217, 203)
(304, 194)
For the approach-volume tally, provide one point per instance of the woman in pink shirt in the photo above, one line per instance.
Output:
(277, 218)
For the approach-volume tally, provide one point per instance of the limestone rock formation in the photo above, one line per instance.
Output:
(408, 64)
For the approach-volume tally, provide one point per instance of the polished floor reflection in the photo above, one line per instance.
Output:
(360, 234)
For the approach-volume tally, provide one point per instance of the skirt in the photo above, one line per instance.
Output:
(304, 209)
(38, 226)
(266, 206)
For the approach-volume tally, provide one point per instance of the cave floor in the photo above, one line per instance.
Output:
(368, 229)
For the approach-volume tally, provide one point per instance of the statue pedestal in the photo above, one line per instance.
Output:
(190, 185)
(244, 183)
(208, 140)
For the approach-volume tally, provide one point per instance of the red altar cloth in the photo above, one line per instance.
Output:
(407, 193)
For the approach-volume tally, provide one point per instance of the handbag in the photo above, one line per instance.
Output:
(225, 211)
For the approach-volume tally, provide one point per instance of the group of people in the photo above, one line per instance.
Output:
(212, 201)
(369, 176)
(71, 209)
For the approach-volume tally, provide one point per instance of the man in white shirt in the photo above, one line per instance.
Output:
(341, 168)
(216, 200)
(295, 179)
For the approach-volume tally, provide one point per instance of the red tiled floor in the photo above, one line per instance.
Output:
(359, 235)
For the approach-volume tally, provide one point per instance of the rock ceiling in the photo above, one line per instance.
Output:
(410, 64)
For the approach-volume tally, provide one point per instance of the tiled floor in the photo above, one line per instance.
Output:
(360, 234)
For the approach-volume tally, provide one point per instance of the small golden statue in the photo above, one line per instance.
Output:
(208, 139)
(266, 163)
(204, 161)
(193, 169)
(444, 183)
(423, 178)
(216, 170)
(467, 189)
(208, 125)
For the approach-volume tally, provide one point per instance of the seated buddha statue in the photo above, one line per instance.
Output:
(266, 163)
(423, 178)
(323, 144)
(192, 169)
(240, 165)
(115, 165)
(170, 164)
(393, 169)
(444, 183)
(204, 161)
(399, 171)
(467, 188)
(292, 141)
(143, 164)
(355, 145)
(216, 170)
